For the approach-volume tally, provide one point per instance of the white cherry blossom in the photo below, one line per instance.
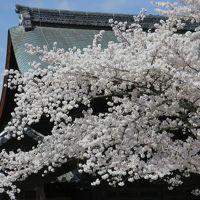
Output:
(126, 112)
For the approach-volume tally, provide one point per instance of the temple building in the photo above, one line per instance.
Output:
(41, 27)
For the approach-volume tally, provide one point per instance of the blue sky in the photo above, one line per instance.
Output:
(9, 18)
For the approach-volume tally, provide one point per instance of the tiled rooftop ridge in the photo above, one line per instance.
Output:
(30, 17)
(37, 16)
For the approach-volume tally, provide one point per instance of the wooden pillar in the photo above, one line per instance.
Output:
(40, 194)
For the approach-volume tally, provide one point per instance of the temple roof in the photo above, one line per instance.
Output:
(41, 27)
(48, 17)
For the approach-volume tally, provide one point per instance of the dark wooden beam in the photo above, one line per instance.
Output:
(7, 98)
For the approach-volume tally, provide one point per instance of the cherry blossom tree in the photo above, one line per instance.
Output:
(184, 9)
(149, 126)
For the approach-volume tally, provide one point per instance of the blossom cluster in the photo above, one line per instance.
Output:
(184, 9)
(148, 126)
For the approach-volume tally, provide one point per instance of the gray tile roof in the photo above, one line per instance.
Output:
(65, 37)
(68, 28)
(32, 16)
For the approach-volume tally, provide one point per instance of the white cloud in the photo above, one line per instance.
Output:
(109, 4)
(36, 3)
(53, 4)
(63, 5)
